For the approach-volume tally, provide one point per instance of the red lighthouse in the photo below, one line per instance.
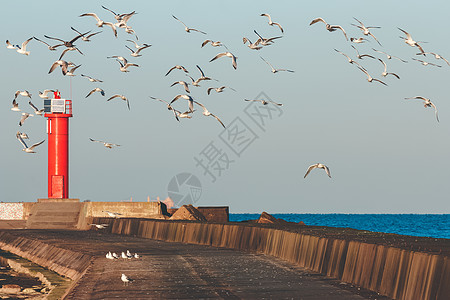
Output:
(58, 111)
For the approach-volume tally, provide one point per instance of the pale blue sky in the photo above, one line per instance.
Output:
(386, 154)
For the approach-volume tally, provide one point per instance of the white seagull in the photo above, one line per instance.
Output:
(187, 29)
(169, 107)
(62, 63)
(272, 23)
(124, 66)
(351, 61)
(101, 226)
(264, 102)
(15, 105)
(427, 103)
(208, 113)
(178, 67)
(51, 48)
(410, 41)
(91, 79)
(370, 78)
(37, 111)
(389, 56)
(102, 92)
(186, 97)
(109, 146)
(329, 27)
(425, 63)
(22, 135)
(319, 166)
(358, 55)
(100, 23)
(437, 56)
(44, 94)
(71, 71)
(357, 40)
(137, 45)
(183, 83)
(26, 148)
(253, 46)
(385, 73)
(87, 37)
(275, 70)
(214, 44)
(136, 53)
(22, 93)
(24, 117)
(121, 97)
(266, 42)
(365, 29)
(218, 89)
(23, 49)
(125, 279)
(227, 54)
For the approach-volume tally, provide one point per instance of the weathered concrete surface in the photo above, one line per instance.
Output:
(182, 271)
(388, 264)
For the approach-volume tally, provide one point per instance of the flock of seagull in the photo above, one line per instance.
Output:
(68, 68)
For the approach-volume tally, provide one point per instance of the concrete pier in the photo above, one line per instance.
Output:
(170, 270)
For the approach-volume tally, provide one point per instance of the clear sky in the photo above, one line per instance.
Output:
(386, 154)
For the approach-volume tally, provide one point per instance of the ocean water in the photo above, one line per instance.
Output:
(426, 225)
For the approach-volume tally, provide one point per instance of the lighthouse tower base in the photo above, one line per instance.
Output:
(42, 200)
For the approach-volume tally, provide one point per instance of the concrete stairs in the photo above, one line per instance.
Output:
(54, 215)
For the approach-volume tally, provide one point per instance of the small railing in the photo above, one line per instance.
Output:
(69, 107)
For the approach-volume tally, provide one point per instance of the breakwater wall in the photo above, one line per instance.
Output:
(62, 261)
(390, 271)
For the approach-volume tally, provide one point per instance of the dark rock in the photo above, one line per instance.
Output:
(188, 212)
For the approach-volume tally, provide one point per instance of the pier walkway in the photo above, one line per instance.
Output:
(182, 271)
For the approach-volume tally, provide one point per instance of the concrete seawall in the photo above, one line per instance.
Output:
(62, 261)
(390, 271)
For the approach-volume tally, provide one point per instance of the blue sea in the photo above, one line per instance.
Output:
(426, 225)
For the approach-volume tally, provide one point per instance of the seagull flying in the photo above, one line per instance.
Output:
(365, 29)
(272, 23)
(218, 89)
(183, 83)
(15, 105)
(136, 53)
(214, 44)
(266, 42)
(169, 107)
(207, 113)
(437, 56)
(425, 63)
(22, 93)
(44, 94)
(427, 103)
(385, 73)
(24, 117)
(187, 29)
(389, 56)
(319, 166)
(177, 67)
(21, 50)
(100, 23)
(91, 79)
(109, 146)
(26, 148)
(253, 46)
(22, 135)
(51, 48)
(410, 41)
(96, 90)
(227, 54)
(121, 97)
(87, 37)
(275, 70)
(370, 78)
(36, 110)
(62, 63)
(329, 27)
(264, 102)
(358, 55)
(186, 97)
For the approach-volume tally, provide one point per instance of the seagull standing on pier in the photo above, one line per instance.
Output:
(126, 280)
